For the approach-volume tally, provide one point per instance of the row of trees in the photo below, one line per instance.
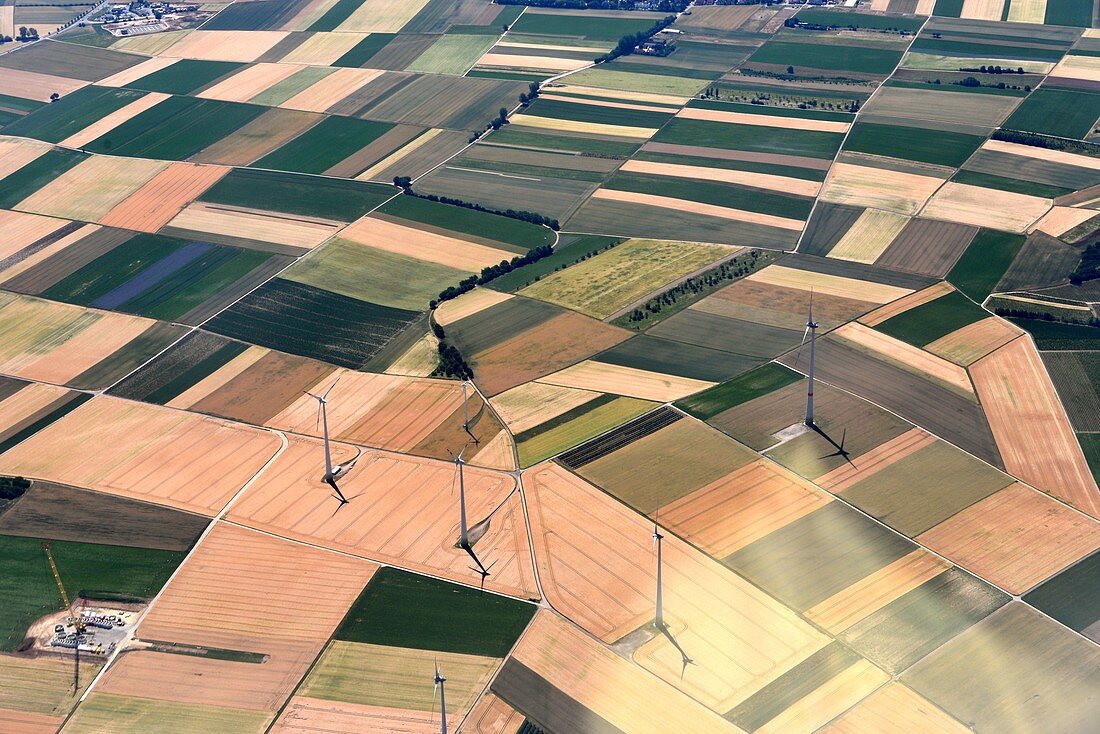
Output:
(492, 273)
(405, 183)
(631, 41)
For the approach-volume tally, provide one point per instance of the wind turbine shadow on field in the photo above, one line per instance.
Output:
(840, 450)
(464, 534)
(659, 620)
(331, 472)
(440, 692)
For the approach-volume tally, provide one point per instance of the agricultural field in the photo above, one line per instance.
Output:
(612, 367)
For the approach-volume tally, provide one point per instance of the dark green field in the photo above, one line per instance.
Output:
(175, 129)
(1053, 335)
(593, 113)
(939, 147)
(1058, 112)
(833, 57)
(1016, 185)
(312, 322)
(184, 76)
(324, 145)
(718, 194)
(929, 321)
(808, 174)
(28, 590)
(254, 16)
(183, 365)
(343, 200)
(361, 53)
(1069, 13)
(336, 15)
(948, 8)
(36, 174)
(986, 259)
(984, 49)
(577, 144)
(741, 389)
(1090, 444)
(580, 24)
(846, 19)
(403, 609)
(667, 356)
(112, 269)
(755, 138)
(1073, 596)
(523, 236)
(72, 113)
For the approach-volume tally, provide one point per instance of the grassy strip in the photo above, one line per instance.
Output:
(566, 417)
(577, 426)
(741, 389)
(404, 609)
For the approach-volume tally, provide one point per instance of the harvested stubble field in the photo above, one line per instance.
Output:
(304, 715)
(416, 527)
(596, 567)
(37, 693)
(92, 188)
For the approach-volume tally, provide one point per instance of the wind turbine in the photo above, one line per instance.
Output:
(331, 472)
(659, 621)
(463, 529)
(811, 333)
(441, 689)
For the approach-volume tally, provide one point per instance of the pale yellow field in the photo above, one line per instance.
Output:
(629, 381)
(1078, 67)
(109, 122)
(942, 62)
(137, 71)
(518, 61)
(1062, 219)
(219, 378)
(984, 207)
(551, 46)
(896, 191)
(491, 715)
(309, 13)
(150, 44)
(157, 202)
(322, 49)
(145, 452)
(534, 403)
(255, 225)
(725, 175)
(26, 402)
(381, 16)
(243, 46)
(895, 709)
(580, 126)
(869, 237)
(46, 252)
(743, 118)
(7, 20)
(331, 89)
(32, 85)
(609, 686)
(419, 360)
(423, 245)
(468, 304)
(22, 229)
(871, 593)
(398, 154)
(830, 285)
(836, 696)
(906, 356)
(497, 453)
(18, 152)
(982, 9)
(1027, 11)
(972, 342)
(250, 81)
(304, 715)
(710, 210)
(905, 303)
(39, 685)
(670, 99)
(92, 187)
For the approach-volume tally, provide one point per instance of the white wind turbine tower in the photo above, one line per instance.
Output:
(331, 472)
(811, 332)
(440, 688)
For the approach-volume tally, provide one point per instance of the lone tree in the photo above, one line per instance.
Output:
(790, 70)
(54, 97)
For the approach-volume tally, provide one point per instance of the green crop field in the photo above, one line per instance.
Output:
(576, 426)
(1053, 335)
(577, 144)
(1073, 596)
(175, 129)
(593, 113)
(324, 145)
(1058, 112)
(845, 19)
(184, 76)
(362, 52)
(254, 16)
(741, 389)
(980, 48)
(913, 143)
(1069, 13)
(30, 178)
(929, 321)
(1015, 185)
(72, 113)
(307, 196)
(583, 25)
(717, 194)
(522, 236)
(402, 609)
(986, 259)
(568, 251)
(754, 138)
(453, 54)
(832, 57)
(28, 590)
